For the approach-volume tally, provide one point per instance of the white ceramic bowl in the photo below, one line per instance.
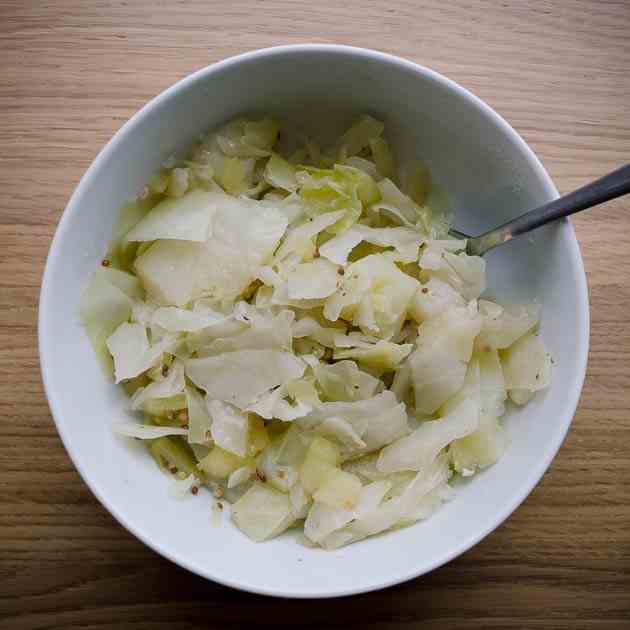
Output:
(491, 175)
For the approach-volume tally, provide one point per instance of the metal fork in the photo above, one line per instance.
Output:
(608, 187)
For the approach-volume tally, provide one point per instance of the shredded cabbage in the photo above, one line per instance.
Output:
(300, 333)
(242, 376)
(186, 218)
(146, 432)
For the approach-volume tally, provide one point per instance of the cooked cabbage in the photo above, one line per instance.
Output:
(300, 333)
(418, 450)
(186, 218)
(375, 295)
(242, 376)
(132, 353)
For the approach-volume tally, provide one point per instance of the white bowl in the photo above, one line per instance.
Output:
(491, 175)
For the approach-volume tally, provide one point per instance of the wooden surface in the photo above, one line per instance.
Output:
(72, 72)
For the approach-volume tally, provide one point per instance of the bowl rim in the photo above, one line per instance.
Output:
(550, 190)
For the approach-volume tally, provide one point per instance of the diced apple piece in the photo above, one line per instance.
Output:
(262, 512)
(220, 464)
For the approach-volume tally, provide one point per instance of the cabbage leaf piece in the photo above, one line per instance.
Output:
(420, 448)
(132, 352)
(244, 235)
(187, 218)
(375, 296)
(241, 377)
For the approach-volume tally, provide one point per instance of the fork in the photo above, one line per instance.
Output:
(608, 187)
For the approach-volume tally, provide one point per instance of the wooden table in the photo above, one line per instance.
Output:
(71, 72)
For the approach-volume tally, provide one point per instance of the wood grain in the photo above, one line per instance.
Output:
(71, 72)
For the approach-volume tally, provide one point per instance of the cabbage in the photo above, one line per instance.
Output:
(169, 385)
(359, 136)
(126, 282)
(186, 218)
(385, 427)
(435, 377)
(178, 183)
(304, 389)
(342, 188)
(481, 448)
(229, 427)
(241, 377)
(262, 512)
(199, 418)
(470, 390)
(361, 164)
(399, 510)
(220, 464)
(312, 280)
(504, 325)
(196, 341)
(168, 271)
(121, 252)
(357, 413)
(419, 449)
(280, 173)
(281, 477)
(527, 364)
(405, 241)
(300, 502)
(299, 239)
(292, 446)
(432, 299)
(344, 381)
(373, 422)
(248, 138)
(438, 365)
(492, 383)
(432, 256)
(131, 351)
(312, 330)
(104, 307)
(176, 319)
(383, 157)
(273, 404)
(400, 207)
(374, 295)
(466, 274)
(339, 489)
(244, 234)
(365, 468)
(236, 175)
(265, 332)
(454, 331)
(240, 475)
(146, 431)
(310, 327)
(383, 355)
(342, 431)
(323, 520)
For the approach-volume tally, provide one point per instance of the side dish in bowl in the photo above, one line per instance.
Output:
(298, 332)
(223, 232)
